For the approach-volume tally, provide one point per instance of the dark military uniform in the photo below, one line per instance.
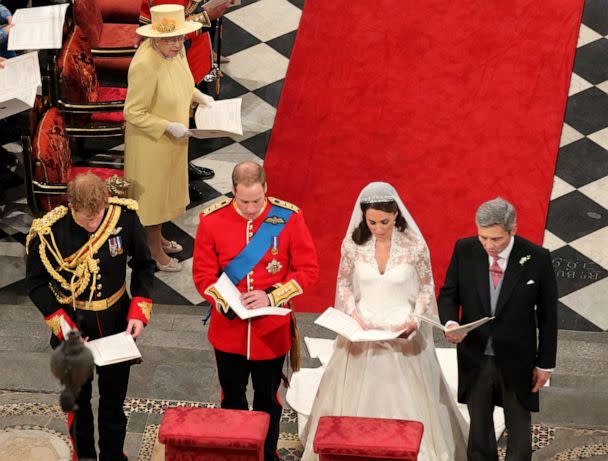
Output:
(81, 277)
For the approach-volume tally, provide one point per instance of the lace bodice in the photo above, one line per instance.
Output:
(386, 300)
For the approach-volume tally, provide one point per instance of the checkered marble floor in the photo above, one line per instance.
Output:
(258, 38)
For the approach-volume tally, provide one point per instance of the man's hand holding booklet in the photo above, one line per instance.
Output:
(109, 350)
(232, 295)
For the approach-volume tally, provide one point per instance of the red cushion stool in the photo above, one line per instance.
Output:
(196, 434)
(345, 438)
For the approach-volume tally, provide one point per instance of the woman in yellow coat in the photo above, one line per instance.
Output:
(160, 93)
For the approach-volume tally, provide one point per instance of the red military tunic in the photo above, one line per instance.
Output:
(199, 52)
(222, 233)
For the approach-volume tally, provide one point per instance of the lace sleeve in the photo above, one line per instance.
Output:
(345, 298)
(425, 301)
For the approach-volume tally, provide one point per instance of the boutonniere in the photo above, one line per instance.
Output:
(524, 260)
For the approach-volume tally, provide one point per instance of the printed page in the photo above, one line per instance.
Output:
(37, 28)
(20, 72)
(462, 329)
(113, 349)
(346, 326)
(220, 119)
(232, 295)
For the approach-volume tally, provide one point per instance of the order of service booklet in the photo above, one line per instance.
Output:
(462, 329)
(109, 349)
(232, 295)
(218, 119)
(38, 28)
(346, 326)
(19, 83)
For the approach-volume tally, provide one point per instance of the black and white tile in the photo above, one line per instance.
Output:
(577, 222)
(259, 37)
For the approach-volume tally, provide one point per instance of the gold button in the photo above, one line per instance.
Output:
(251, 273)
(98, 294)
(99, 286)
(98, 276)
(251, 279)
(250, 288)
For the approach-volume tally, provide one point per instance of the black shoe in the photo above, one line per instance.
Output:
(195, 194)
(197, 172)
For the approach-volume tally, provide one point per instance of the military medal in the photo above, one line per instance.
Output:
(274, 266)
(115, 244)
(275, 245)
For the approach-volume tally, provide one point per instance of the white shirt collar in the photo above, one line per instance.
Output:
(504, 254)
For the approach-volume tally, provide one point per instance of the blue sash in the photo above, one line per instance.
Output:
(247, 259)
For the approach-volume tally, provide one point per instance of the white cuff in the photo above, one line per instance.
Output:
(549, 370)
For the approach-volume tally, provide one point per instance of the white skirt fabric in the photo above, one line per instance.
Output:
(398, 379)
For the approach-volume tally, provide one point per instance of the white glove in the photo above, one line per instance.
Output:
(178, 130)
(202, 99)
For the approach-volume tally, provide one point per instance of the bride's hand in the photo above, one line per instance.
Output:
(358, 319)
(410, 327)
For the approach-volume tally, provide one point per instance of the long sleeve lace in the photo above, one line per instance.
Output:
(345, 297)
(425, 301)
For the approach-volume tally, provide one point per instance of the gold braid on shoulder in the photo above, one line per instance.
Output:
(82, 265)
(126, 202)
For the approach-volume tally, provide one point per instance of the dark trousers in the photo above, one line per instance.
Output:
(113, 381)
(233, 371)
(482, 441)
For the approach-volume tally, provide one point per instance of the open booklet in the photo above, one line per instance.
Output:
(346, 326)
(219, 119)
(109, 349)
(37, 28)
(462, 329)
(19, 83)
(232, 295)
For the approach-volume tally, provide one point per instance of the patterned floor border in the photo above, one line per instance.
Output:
(582, 452)
(290, 448)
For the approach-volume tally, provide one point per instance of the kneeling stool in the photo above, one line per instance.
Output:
(345, 438)
(212, 433)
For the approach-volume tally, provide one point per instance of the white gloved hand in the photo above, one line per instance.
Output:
(202, 99)
(178, 130)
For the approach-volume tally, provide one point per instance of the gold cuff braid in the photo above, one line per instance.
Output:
(220, 302)
(284, 293)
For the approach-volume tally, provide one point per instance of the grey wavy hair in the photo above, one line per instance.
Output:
(496, 212)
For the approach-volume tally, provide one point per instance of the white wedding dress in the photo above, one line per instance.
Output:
(398, 379)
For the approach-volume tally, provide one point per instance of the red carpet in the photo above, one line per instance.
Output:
(451, 102)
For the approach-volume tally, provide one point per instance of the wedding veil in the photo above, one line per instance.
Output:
(376, 192)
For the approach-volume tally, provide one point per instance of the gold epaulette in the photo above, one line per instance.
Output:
(217, 206)
(126, 202)
(43, 225)
(283, 204)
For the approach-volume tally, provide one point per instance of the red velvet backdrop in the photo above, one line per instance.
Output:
(451, 102)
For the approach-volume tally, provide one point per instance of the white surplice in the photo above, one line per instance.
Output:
(398, 379)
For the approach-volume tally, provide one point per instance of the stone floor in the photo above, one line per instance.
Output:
(179, 370)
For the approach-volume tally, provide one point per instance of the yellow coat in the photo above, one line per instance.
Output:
(160, 91)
